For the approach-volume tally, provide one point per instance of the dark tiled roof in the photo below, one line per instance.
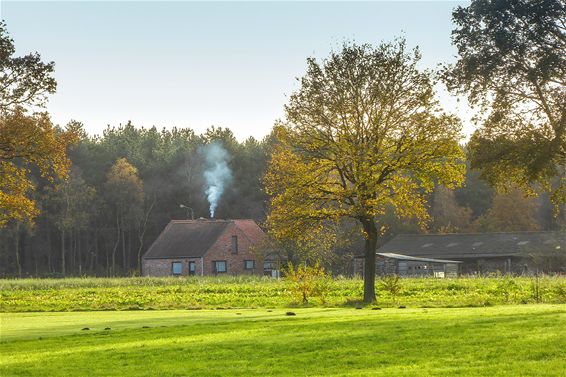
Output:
(478, 245)
(193, 238)
(186, 238)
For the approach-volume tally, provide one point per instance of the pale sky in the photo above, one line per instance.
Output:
(193, 64)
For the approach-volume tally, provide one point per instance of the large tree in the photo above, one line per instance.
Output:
(24, 80)
(26, 141)
(512, 67)
(362, 133)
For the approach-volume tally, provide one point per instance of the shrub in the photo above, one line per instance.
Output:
(507, 286)
(391, 284)
(308, 281)
(536, 288)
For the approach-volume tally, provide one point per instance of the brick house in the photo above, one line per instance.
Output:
(205, 247)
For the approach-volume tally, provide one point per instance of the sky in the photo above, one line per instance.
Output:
(198, 64)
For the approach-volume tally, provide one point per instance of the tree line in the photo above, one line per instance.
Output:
(125, 185)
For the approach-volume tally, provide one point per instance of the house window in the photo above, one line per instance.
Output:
(249, 264)
(192, 268)
(234, 244)
(269, 265)
(219, 266)
(177, 268)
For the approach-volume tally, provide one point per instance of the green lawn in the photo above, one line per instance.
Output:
(522, 340)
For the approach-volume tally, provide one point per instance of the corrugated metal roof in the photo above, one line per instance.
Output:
(476, 245)
(193, 238)
(417, 259)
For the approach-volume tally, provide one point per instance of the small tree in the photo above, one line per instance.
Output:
(362, 133)
(307, 281)
(392, 285)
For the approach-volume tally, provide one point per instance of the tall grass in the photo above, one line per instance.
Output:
(143, 293)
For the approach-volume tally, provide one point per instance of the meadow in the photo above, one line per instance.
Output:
(247, 326)
(507, 340)
(94, 294)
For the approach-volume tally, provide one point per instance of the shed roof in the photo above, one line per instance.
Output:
(193, 238)
(476, 245)
(416, 259)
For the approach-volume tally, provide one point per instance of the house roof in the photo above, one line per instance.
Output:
(416, 259)
(476, 245)
(193, 238)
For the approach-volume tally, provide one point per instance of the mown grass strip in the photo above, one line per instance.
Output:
(525, 340)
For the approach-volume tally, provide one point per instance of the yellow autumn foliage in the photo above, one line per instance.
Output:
(28, 142)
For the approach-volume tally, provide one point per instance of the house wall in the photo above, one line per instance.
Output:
(222, 250)
(164, 267)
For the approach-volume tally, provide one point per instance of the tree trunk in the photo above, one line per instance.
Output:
(116, 245)
(124, 259)
(17, 246)
(49, 262)
(370, 230)
(141, 233)
(63, 252)
(95, 263)
(73, 249)
(79, 251)
(106, 248)
(129, 249)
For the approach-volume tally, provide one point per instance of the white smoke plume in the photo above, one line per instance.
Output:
(217, 174)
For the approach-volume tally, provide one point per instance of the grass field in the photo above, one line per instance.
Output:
(525, 340)
(89, 294)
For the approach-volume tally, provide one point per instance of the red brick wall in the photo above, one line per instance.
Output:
(163, 267)
(222, 250)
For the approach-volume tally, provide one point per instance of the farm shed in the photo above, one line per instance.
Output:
(509, 252)
(407, 266)
(205, 247)
(403, 265)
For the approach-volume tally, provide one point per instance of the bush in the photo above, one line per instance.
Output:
(391, 284)
(507, 286)
(308, 281)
